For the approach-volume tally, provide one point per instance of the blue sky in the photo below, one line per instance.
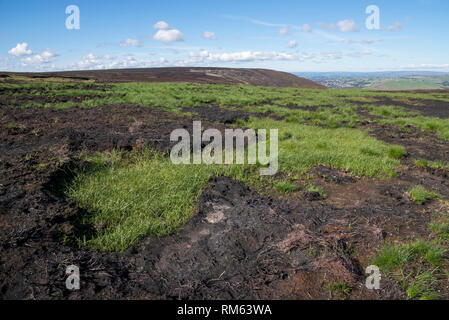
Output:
(285, 35)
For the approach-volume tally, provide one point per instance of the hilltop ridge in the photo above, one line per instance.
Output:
(259, 77)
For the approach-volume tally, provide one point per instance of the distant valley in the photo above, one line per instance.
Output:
(401, 80)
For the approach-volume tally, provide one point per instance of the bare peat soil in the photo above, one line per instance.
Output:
(239, 245)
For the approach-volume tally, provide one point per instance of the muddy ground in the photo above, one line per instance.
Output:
(239, 245)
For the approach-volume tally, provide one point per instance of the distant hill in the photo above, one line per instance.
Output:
(259, 77)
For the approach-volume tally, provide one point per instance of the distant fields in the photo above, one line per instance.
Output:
(388, 83)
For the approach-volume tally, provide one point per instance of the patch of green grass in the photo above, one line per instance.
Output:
(417, 263)
(369, 152)
(422, 287)
(396, 152)
(421, 163)
(137, 194)
(285, 187)
(439, 165)
(340, 289)
(431, 164)
(420, 195)
(317, 189)
(441, 228)
(440, 126)
(389, 112)
(396, 257)
(339, 148)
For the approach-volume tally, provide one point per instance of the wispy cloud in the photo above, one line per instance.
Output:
(394, 27)
(130, 43)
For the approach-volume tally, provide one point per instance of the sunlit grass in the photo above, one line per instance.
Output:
(341, 148)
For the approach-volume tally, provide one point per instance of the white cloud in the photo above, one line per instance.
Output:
(21, 49)
(205, 56)
(169, 36)
(306, 28)
(130, 43)
(93, 62)
(209, 35)
(347, 26)
(394, 27)
(292, 44)
(283, 31)
(162, 25)
(45, 57)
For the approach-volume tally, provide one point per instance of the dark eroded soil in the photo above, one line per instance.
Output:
(239, 245)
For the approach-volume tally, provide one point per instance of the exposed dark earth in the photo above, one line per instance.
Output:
(239, 244)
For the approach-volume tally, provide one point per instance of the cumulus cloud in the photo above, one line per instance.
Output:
(394, 27)
(209, 35)
(45, 57)
(21, 49)
(167, 34)
(283, 31)
(347, 26)
(306, 28)
(93, 62)
(162, 25)
(292, 44)
(130, 43)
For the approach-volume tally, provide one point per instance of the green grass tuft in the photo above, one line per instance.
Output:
(286, 187)
(396, 257)
(421, 287)
(396, 152)
(420, 195)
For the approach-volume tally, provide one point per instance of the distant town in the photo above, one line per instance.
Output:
(380, 80)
